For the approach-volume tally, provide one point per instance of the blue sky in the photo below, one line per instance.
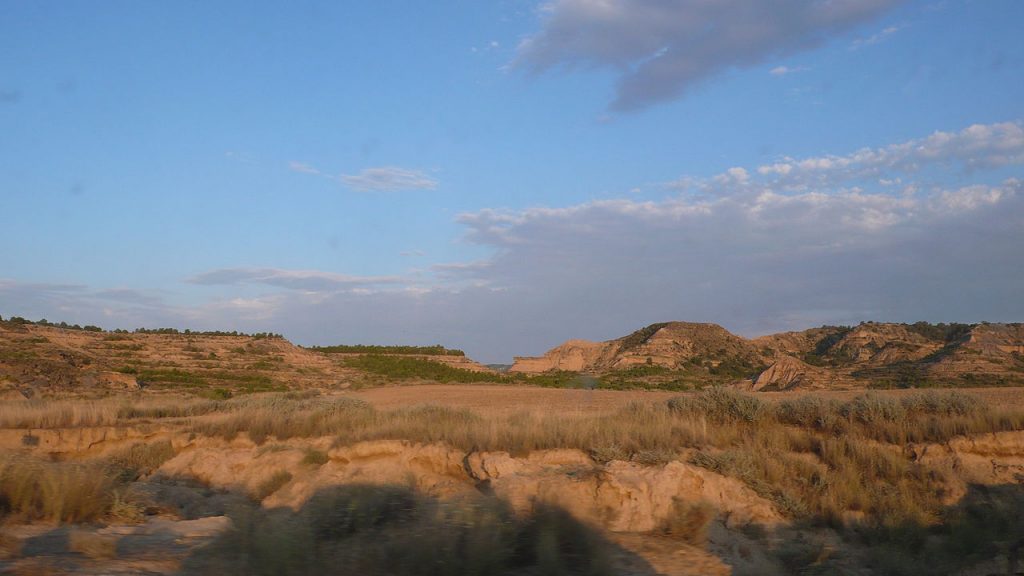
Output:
(500, 176)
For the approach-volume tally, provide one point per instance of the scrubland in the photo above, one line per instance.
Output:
(863, 468)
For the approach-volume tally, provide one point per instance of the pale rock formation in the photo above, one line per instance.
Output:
(621, 496)
(789, 373)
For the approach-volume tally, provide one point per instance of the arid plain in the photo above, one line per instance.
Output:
(678, 449)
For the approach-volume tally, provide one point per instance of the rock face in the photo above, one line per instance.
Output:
(788, 373)
(997, 339)
(620, 496)
(994, 349)
(573, 355)
(875, 344)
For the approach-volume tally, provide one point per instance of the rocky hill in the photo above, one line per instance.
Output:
(870, 354)
(672, 345)
(53, 360)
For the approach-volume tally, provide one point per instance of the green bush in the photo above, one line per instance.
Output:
(436, 350)
(403, 367)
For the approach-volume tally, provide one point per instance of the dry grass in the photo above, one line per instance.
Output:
(140, 459)
(825, 461)
(819, 460)
(80, 413)
(646, 429)
(32, 489)
(58, 413)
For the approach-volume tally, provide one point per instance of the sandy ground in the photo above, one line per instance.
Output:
(503, 400)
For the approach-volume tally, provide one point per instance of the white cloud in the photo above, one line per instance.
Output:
(661, 49)
(799, 243)
(975, 147)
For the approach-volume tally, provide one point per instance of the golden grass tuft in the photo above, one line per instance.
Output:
(32, 489)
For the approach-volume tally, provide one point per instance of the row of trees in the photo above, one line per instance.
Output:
(45, 322)
(185, 332)
(436, 350)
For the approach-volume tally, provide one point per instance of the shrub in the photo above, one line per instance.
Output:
(722, 405)
(807, 412)
(141, 459)
(936, 403)
(873, 409)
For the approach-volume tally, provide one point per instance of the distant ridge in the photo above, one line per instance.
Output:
(869, 354)
(50, 358)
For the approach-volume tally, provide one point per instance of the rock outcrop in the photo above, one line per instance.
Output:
(669, 345)
(620, 496)
(829, 356)
(789, 373)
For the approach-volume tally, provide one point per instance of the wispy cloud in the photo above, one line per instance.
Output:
(388, 178)
(313, 280)
(488, 47)
(874, 38)
(303, 168)
(786, 70)
(662, 49)
(380, 179)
